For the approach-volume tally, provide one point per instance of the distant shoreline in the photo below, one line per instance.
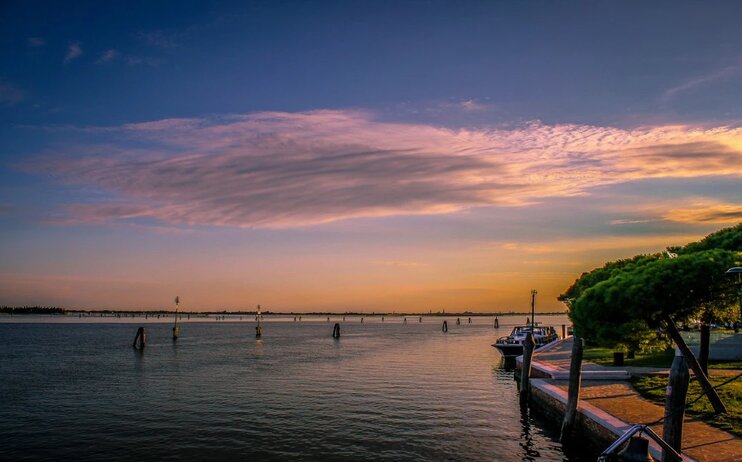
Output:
(24, 311)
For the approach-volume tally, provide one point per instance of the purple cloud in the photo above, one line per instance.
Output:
(276, 169)
(74, 51)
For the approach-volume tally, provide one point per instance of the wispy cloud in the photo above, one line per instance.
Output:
(36, 42)
(630, 221)
(599, 243)
(74, 51)
(277, 169)
(10, 94)
(706, 212)
(113, 55)
(108, 56)
(159, 38)
(701, 80)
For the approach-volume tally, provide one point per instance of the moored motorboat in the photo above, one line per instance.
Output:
(512, 345)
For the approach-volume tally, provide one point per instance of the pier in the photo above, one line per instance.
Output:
(609, 405)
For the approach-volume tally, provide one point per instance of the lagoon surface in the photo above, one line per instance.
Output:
(75, 389)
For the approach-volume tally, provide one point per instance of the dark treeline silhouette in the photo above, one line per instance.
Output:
(32, 310)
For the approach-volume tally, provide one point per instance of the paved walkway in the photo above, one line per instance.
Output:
(618, 398)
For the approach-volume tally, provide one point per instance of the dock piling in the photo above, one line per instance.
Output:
(529, 345)
(176, 327)
(445, 326)
(573, 393)
(336, 331)
(140, 340)
(677, 391)
(497, 323)
(259, 327)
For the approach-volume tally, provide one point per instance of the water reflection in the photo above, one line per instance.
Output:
(383, 391)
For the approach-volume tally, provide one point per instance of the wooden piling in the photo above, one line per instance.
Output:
(336, 331)
(140, 340)
(420, 319)
(529, 345)
(176, 328)
(677, 391)
(573, 393)
(259, 327)
(445, 326)
(564, 331)
(458, 321)
(497, 323)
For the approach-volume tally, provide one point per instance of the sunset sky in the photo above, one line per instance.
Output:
(407, 156)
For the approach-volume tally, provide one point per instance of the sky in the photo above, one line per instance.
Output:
(373, 156)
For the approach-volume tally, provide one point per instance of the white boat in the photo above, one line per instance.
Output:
(512, 345)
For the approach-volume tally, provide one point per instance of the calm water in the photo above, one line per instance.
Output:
(382, 392)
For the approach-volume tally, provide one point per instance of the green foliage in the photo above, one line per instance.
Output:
(726, 239)
(587, 280)
(621, 304)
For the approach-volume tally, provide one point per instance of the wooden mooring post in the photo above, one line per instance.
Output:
(258, 327)
(677, 391)
(336, 331)
(176, 328)
(525, 373)
(497, 323)
(445, 326)
(140, 340)
(573, 394)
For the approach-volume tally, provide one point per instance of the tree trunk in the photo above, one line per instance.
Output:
(703, 352)
(573, 395)
(693, 363)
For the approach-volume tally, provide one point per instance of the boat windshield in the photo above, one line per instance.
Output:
(524, 330)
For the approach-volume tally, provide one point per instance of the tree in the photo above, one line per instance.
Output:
(624, 302)
(726, 239)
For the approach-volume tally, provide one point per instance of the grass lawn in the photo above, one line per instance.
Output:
(604, 357)
(653, 388)
(725, 364)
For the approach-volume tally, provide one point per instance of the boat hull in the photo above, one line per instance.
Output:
(509, 349)
(516, 349)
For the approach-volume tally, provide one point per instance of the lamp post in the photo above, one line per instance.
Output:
(738, 271)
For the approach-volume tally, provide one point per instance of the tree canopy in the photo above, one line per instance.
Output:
(622, 302)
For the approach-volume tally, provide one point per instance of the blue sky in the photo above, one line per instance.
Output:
(400, 149)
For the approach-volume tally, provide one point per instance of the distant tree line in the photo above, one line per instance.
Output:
(32, 310)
